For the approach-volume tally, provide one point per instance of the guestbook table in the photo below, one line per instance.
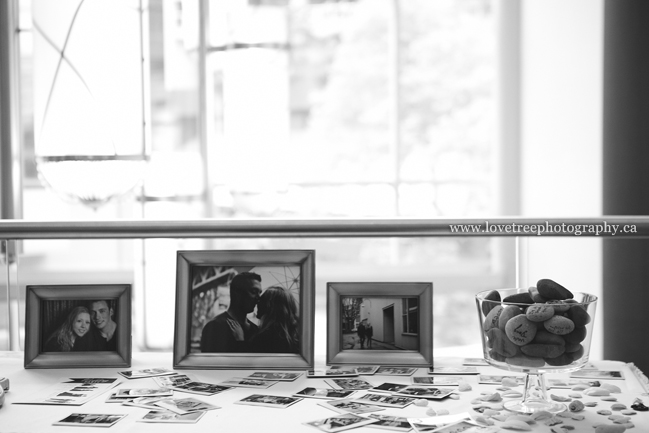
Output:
(233, 417)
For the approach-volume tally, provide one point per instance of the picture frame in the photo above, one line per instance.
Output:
(48, 312)
(393, 305)
(203, 280)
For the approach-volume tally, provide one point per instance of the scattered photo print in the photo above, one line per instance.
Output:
(425, 392)
(385, 400)
(340, 422)
(185, 405)
(172, 380)
(453, 370)
(434, 381)
(389, 387)
(487, 379)
(331, 372)
(72, 391)
(351, 384)
(350, 406)
(277, 376)
(144, 392)
(243, 382)
(166, 416)
(360, 369)
(145, 402)
(597, 374)
(396, 371)
(478, 362)
(90, 419)
(325, 393)
(570, 383)
(269, 400)
(389, 422)
(112, 398)
(458, 427)
(147, 372)
(431, 424)
(201, 388)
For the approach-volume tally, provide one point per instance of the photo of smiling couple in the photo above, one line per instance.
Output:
(88, 326)
(273, 328)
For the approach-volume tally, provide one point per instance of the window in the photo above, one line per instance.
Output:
(290, 109)
(410, 315)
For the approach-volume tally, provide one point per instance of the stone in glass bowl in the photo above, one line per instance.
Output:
(548, 336)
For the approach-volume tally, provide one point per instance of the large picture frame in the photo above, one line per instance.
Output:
(204, 303)
(81, 325)
(380, 323)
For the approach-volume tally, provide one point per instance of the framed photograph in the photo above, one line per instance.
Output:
(380, 323)
(72, 326)
(245, 309)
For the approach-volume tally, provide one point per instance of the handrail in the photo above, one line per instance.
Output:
(609, 227)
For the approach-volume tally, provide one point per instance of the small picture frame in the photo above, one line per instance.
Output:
(390, 324)
(227, 315)
(77, 326)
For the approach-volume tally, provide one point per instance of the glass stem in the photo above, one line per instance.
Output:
(535, 387)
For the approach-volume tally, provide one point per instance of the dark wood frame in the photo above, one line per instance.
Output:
(335, 353)
(35, 358)
(304, 259)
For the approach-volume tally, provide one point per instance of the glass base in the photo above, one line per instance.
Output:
(535, 397)
(532, 406)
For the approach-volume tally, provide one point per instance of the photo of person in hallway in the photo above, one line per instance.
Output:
(380, 323)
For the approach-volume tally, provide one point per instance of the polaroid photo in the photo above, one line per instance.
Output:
(72, 391)
(145, 402)
(90, 419)
(360, 369)
(331, 372)
(396, 371)
(112, 398)
(453, 370)
(350, 406)
(425, 392)
(172, 380)
(478, 362)
(340, 422)
(275, 375)
(144, 392)
(490, 379)
(276, 401)
(434, 381)
(430, 424)
(242, 382)
(458, 427)
(397, 402)
(147, 372)
(349, 384)
(597, 374)
(389, 387)
(390, 422)
(166, 416)
(201, 388)
(325, 393)
(185, 405)
(569, 384)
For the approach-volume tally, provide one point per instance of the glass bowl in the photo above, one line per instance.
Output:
(535, 338)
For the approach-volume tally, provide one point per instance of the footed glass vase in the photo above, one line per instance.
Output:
(524, 332)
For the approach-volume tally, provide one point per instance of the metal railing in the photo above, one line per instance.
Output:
(613, 227)
(281, 228)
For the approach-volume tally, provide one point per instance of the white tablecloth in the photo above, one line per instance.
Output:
(240, 418)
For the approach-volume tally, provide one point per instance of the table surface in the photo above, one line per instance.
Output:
(237, 418)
